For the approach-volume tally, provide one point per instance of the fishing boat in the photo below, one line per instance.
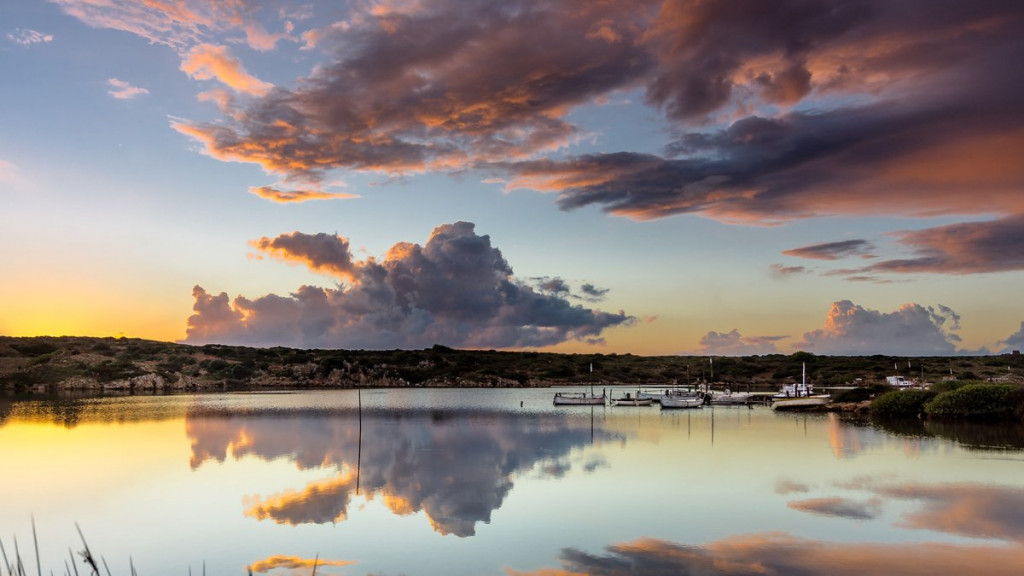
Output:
(630, 400)
(579, 399)
(727, 397)
(691, 400)
(799, 395)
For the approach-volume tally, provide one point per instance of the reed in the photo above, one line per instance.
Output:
(15, 566)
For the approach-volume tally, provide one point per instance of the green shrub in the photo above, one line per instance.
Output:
(978, 400)
(862, 393)
(901, 403)
(950, 385)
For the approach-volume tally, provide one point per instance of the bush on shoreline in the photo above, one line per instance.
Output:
(978, 400)
(901, 403)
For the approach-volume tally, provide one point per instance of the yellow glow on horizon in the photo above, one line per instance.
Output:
(70, 306)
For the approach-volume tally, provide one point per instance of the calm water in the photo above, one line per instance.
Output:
(481, 482)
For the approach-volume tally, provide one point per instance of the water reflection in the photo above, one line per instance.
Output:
(973, 435)
(279, 562)
(781, 554)
(455, 466)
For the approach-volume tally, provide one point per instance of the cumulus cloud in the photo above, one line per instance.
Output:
(1014, 341)
(832, 250)
(912, 330)
(455, 290)
(123, 90)
(325, 253)
(27, 37)
(732, 343)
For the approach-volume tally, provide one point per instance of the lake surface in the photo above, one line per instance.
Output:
(482, 482)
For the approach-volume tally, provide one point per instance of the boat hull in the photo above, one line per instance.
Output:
(804, 402)
(669, 402)
(633, 402)
(576, 400)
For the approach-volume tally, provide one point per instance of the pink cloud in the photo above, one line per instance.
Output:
(209, 62)
(289, 196)
(123, 90)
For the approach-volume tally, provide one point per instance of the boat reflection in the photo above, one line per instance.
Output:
(455, 466)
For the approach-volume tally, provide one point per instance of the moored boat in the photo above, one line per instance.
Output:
(693, 400)
(579, 399)
(630, 400)
(799, 395)
(727, 397)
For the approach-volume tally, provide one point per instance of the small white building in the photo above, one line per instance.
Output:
(898, 381)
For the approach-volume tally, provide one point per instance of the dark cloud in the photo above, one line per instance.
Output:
(838, 507)
(592, 293)
(554, 286)
(912, 330)
(832, 250)
(321, 252)
(967, 248)
(455, 290)
(911, 111)
(419, 461)
(733, 343)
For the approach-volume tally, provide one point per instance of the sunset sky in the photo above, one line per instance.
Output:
(689, 177)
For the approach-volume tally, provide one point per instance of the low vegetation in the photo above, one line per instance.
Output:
(900, 403)
(129, 364)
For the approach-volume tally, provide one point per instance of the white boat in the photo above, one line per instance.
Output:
(727, 397)
(799, 395)
(630, 400)
(579, 399)
(692, 400)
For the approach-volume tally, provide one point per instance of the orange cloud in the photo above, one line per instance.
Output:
(210, 62)
(293, 562)
(288, 196)
(325, 253)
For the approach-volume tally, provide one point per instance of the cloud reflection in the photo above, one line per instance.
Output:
(776, 554)
(455, 467)
(294, 563)
(965, 509)
(838, 507)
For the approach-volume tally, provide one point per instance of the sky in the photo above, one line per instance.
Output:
(676, 177)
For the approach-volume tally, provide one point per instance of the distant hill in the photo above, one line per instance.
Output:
(83, 363)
